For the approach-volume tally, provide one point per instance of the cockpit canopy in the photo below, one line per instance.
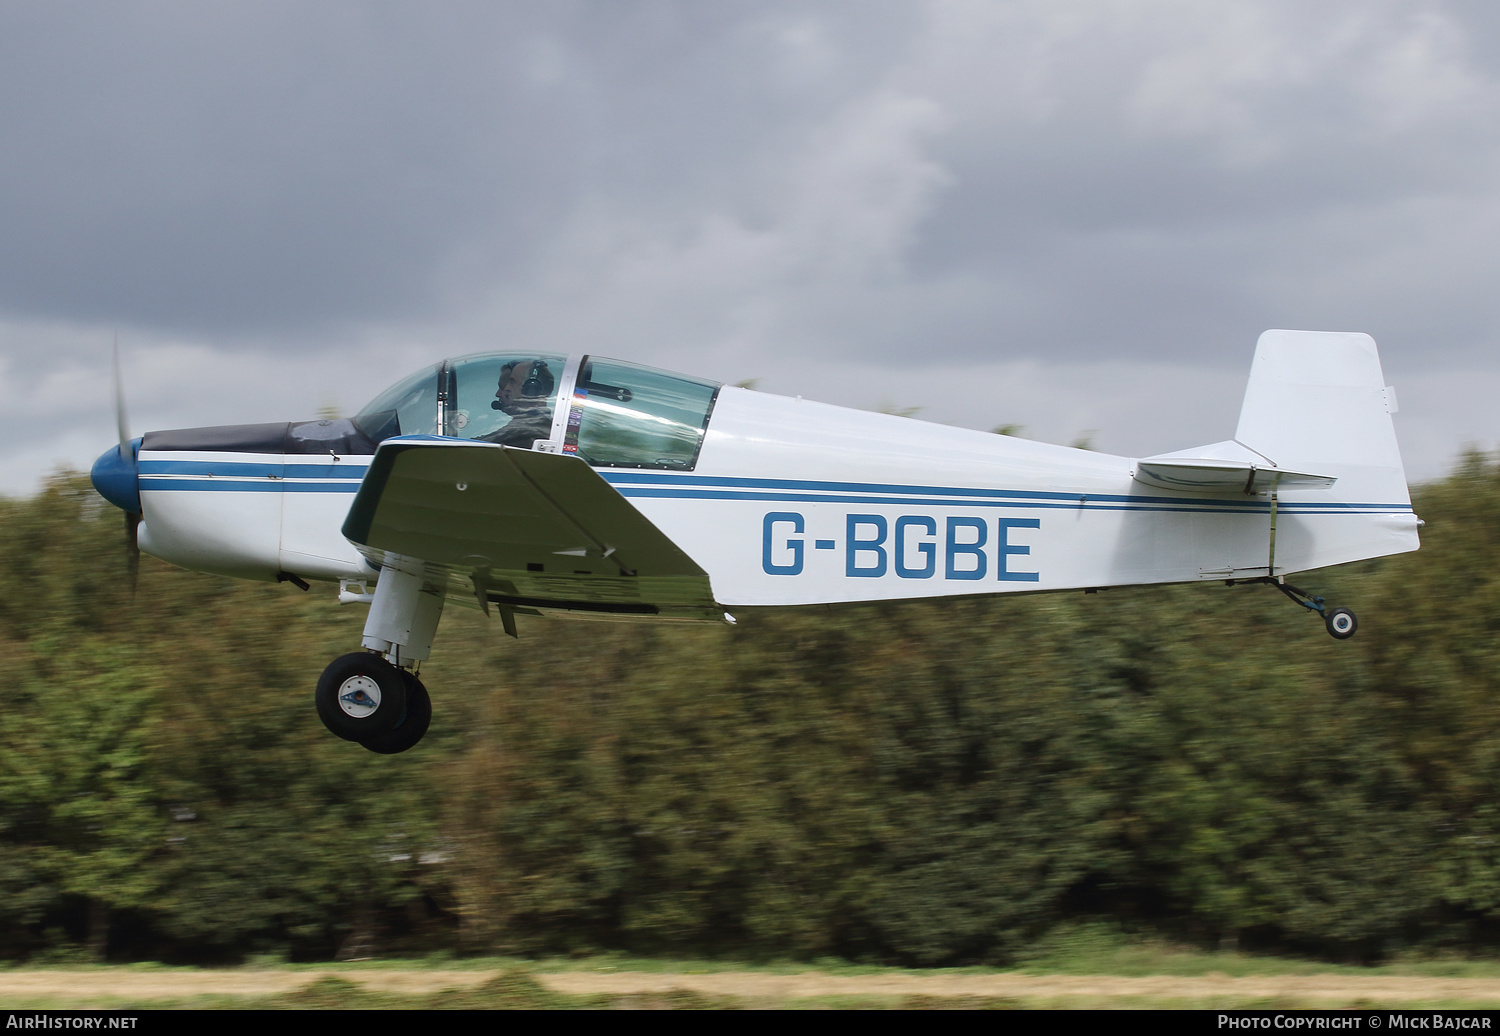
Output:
(610, 413)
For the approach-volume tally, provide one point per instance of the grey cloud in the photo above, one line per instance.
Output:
(253, 169)
(746, 188)
(242, 168)
(254, 166)
(1155, 238)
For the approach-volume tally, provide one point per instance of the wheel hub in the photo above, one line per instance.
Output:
(359, 696)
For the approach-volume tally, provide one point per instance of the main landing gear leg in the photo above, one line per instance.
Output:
(1341, 622)
(373, 697)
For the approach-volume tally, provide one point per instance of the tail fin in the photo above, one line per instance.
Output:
(1317, 401)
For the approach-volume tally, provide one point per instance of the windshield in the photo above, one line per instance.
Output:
(408, 407)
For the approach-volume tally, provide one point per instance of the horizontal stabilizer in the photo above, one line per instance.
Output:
(1224, 467)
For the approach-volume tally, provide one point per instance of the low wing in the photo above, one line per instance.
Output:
(533, 531)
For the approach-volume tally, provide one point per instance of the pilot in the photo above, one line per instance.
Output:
(525, 393)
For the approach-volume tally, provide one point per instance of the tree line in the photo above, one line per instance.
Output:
(924, 783)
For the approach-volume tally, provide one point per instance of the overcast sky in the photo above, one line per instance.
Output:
(1072, 215)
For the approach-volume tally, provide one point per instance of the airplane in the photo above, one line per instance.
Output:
(534, 483)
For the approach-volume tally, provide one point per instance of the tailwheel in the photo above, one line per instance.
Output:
(1341, 623)
(361, 696)
(413, 724)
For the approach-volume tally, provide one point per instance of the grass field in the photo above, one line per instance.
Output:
(1080, 968)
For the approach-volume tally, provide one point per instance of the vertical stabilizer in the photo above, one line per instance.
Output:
(1317, 401)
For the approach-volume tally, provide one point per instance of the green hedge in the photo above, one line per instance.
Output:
(929, 783)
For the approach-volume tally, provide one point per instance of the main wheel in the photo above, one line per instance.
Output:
(1341, 623)
(412, 726)
(361, 696)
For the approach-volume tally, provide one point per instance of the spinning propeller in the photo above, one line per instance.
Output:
(116, 476)
(127, 456)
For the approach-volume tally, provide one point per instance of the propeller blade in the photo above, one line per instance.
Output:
(132, 518)
(122, 424)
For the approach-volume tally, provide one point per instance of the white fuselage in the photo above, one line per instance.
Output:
(790, 502)
(796, 502)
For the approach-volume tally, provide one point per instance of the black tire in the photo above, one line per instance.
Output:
(361, 696)
(1341, 623)
(412, 726)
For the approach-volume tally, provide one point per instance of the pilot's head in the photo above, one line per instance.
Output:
(523, 384)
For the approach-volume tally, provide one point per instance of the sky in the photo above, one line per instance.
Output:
(1075, 216)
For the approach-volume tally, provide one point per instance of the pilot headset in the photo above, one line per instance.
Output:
(539, 382)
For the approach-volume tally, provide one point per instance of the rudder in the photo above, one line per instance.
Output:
(1317, 401)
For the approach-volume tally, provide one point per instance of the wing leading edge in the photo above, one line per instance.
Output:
(531, 531)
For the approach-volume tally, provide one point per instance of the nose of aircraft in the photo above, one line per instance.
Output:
(116, 476)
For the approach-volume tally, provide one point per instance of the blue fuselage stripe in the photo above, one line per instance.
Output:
(230, 485)
(272, 475)
(278, 476)
(853, 498)
(252, 469)
(720, 487)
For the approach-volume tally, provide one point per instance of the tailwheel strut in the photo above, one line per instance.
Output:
(1341, 622)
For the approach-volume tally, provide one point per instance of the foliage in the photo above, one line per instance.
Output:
(925, 783)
